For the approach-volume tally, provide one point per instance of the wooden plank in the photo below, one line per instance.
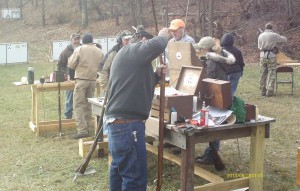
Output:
(54, 126)
(257, 148)
(224, 186)
(198, 171)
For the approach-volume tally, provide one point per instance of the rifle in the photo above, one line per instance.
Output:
(218, 163)
(160, 154)
(82, 167)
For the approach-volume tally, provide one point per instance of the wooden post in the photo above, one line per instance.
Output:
(298, 168)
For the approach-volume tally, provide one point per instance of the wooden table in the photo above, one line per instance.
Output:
(257, 131)
(38, 126)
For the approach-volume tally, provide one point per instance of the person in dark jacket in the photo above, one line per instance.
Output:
(62, 66)
(131, 90)
(234, 71)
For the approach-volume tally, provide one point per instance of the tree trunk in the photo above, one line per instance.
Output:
(79, 5)
(36, 3)
(211, 17)
(132, 8)
(123, 12)
(111, 8)
(43, 13)
(139, 5)
(6, 3)
(97, 9)
(84, 14)
(21, 9)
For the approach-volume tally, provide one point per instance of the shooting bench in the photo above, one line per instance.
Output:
(36, 124)
(258, 131)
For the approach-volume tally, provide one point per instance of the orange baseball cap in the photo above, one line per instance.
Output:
(175, 24)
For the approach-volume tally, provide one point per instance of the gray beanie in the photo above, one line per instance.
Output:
(87, 38)
(206, 42)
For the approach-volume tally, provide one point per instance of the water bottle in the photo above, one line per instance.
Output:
(173, 116)
(30, 75)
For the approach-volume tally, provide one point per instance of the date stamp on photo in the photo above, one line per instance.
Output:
(243, 175)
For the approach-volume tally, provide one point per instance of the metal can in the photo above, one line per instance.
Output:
(30, 75)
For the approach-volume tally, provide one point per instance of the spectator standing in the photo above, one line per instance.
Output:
(122, 40)
(131, 90)
(267, 42)
(215, 69)
(177, 29)
(62, 66)
(85, 61)
(234, 71)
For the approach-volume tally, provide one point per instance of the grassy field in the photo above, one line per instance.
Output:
(47, 163)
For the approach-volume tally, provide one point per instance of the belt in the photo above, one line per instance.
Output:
(124, 121)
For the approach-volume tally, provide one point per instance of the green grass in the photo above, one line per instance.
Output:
(46, 163)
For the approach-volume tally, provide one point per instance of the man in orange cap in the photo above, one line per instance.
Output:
(176, 28)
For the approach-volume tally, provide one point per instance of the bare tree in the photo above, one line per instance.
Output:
(6, 3)
(133, 8)
(84, 14)
(43, 13)
(211, 17)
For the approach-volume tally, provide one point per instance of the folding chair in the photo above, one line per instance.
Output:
(285, 75)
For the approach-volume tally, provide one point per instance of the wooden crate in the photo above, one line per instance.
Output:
(181, 53)
(190, 80)
(217, 93)
(182, 104)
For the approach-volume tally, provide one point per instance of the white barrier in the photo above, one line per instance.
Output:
(13, 53)
(58, 46)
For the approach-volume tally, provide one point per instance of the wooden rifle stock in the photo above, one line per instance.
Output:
(218, 163)
(82, 167)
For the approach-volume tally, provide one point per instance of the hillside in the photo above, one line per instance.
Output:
(60, 23)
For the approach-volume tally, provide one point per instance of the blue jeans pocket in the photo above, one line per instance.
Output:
(120, 139)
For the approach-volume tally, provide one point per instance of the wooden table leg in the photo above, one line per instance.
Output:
(187, 165)
(256, 166)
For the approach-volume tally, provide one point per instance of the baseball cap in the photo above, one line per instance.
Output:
(206, 42)
(74, 35)
(126, 34)
(141, 32)
(175, 24)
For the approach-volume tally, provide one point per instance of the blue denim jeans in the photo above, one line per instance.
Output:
(234, 81)
(128, 169)
(208, 153)
(69, 104)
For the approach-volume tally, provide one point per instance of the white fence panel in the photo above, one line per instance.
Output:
(58, 47)
(2, 53)
(17, 52)
(13, 13)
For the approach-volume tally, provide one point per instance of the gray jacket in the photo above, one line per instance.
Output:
(132, 79)
(267, 41)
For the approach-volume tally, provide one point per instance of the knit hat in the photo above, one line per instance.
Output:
(87, 38)
(176, 24)
(206, 42)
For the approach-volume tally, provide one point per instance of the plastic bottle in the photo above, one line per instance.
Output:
(204, 115)
(30, 75)
(173, 116)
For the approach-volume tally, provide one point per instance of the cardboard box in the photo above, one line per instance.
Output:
(217, 93)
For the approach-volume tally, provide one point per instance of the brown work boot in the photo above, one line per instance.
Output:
(204, 161)
(80, 135)
(269, 93)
